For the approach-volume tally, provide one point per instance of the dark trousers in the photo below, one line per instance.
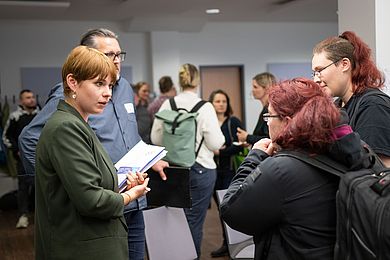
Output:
(26, 190)
(202, 181)
(136, 234)
(224, 178)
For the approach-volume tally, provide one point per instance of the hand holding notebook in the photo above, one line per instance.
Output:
(139, 159)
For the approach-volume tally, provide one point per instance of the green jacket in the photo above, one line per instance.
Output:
(79, 212)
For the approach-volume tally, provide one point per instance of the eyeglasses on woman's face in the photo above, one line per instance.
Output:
(267, 116)
(317, 73)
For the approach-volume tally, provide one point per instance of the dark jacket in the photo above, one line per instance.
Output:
(261, 129)
(79, 213)
(224, 159)
(288, 200)
(144, 121)
(14, 126)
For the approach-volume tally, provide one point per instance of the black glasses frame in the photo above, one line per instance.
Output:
(121, 55)
(317, 73)
(267, 116)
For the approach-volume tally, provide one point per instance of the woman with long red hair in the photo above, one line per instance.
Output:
(343, 66)
(286, 204)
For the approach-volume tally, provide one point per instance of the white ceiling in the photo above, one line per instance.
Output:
(171, 15)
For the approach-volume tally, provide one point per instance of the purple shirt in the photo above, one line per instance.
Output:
(155, 105)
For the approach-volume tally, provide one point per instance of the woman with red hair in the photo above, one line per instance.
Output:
(344, 67)
(286, 204)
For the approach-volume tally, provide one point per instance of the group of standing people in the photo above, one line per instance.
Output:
(89, 122)
(288, 205)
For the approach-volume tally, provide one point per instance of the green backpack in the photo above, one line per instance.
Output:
(179, 134)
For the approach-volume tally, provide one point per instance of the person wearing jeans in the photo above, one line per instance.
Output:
(203, 172)
(18, 119)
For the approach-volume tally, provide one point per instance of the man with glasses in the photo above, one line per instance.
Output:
(116, 128)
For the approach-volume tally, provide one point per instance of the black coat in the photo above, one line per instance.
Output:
(288, 199)
(261, 129)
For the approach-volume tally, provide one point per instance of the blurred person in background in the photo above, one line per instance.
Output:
(260, 86)
(167, 90)
(18, 119)
(223, 156)
(144, 120)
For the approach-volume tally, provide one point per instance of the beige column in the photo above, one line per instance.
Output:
(369, 18)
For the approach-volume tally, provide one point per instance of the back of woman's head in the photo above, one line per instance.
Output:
(188, 76)
(313, 116)
(265, 79)
(364, 72)
(86, 63)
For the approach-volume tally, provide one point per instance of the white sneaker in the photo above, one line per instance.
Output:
(22, 222)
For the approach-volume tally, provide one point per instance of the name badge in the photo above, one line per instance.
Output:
(129, 108)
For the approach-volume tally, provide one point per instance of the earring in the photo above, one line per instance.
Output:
(74, 96)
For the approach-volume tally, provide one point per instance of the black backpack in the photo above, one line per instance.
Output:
(363, 207)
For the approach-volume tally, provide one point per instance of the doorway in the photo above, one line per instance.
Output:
(228, 78)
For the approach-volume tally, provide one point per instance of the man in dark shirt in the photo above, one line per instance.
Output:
(18, 119)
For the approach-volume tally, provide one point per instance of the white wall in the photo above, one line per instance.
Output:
(382, 38)
(43, 44)
(165, 54)
(358, 16)
(46, 44)
(370, 20)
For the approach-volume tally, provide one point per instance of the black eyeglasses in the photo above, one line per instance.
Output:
(267, 116)
(112, 55)
(317, 73)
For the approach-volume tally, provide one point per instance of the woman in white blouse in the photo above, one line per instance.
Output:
(203, 172)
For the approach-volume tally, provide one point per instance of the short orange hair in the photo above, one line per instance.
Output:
(86, 63)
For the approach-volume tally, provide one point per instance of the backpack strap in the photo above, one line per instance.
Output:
(198, 106)
(200, 145)
(319, 161)
(175, 124)
(194, 110)
(173, 104)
